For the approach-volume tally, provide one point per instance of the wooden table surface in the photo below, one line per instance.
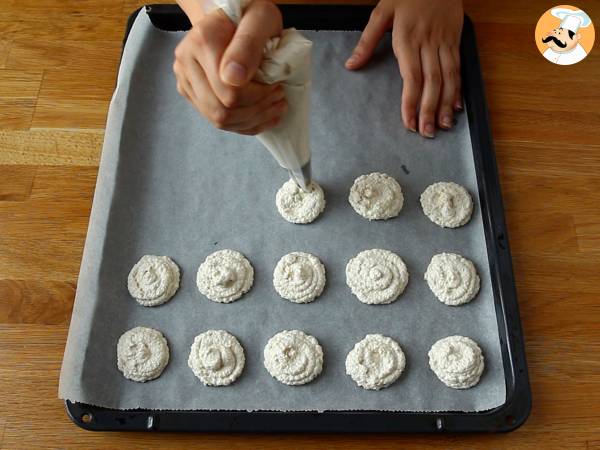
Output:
(58, 63)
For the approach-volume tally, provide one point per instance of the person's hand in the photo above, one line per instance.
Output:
(215, 63)
(426, 37)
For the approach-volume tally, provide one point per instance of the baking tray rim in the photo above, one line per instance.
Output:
(506, 417)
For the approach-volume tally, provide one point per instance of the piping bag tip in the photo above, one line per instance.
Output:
(302, 177)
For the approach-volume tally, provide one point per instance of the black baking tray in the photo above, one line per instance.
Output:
(506, 417)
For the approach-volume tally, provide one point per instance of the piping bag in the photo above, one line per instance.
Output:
(286, 60)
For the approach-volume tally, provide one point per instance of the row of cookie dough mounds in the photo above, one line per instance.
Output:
(375, 276)
(294, 358)
(378, 196)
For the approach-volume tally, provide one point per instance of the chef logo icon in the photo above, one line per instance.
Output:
(564, 35)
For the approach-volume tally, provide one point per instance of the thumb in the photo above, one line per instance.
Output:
(379, 22)
(260, 22)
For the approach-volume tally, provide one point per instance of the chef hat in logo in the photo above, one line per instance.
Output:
(571, 19)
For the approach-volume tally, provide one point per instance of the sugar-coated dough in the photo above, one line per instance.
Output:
(375, 362)
(452, 278)
(299, 277)
(376, 276)
(376, 196)
(297, 206)
(216, 358)
(293, 357)
(153, 280)
(457, 361)
(142, 354)
(448, 205)
(225, 276)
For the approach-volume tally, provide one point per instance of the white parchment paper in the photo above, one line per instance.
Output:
(170, 184)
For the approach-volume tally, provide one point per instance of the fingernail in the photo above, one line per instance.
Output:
(458, 107)
(446, 122)
(352, 60)
(428, 130)
(412, 125)
(234, 73)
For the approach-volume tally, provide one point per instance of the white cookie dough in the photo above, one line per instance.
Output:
(297, 206)
(153, 280)
(225, 276)
(457, 361)
(375, 362)
(452, 278)
(216, 358)
(447, 204)
(376, 196)
(142, 354)
(299, 277)
(376, 276)
(293, 357)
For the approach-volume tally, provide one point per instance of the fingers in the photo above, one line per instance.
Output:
(450, 90)
(260, 22)
(197, 90)
(210, 40)
(409, 61)
(432, 82)
(379, 22)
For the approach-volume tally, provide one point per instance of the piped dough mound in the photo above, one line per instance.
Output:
(297, 206)
(225, 276)
(216, 358)
(457, 361)
(299, 277)
(375, 362)
(293, 357)
(452, 278)
(376, 276)
(447, 204)
(376, 196)
(153, 280)
(142, 354)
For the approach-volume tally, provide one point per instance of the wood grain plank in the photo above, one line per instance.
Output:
(5, 45)
(70, 113)
(16, 183)
(36, 302)
(42, 237)
(587, 231)
(18, 96)
(16, 113)
(101, 56)
(51, 147)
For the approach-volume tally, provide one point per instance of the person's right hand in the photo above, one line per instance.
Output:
(215, 63)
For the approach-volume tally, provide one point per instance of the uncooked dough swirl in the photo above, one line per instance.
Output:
(142, 354)
(376, 276)
(153, 280)
(297, 206)
(216, 358)
(447, 204)
(225, 276)
(452, 278)
(293, 357)
(376, 196)
(299, 277)
(457, 361)
(375, 362)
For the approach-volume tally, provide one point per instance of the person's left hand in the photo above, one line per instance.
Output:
(425, 38)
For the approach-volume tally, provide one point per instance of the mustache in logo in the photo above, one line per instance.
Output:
(555, 40)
